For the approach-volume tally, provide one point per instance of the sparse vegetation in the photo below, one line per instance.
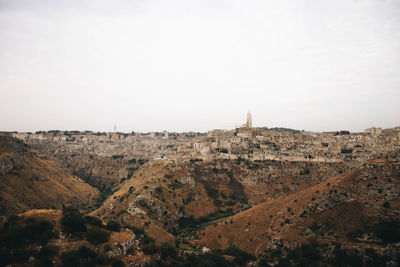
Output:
(19, 237)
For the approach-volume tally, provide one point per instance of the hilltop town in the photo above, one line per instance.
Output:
(246, 142)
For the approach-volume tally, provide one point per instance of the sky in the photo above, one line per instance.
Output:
(199, 65)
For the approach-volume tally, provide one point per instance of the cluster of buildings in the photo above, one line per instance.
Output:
(246, 142)
(102, 137)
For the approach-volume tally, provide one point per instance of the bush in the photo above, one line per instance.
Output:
(149, 249)
(185, 222)
(93, 221)
(117, 263)
(167, 251)
(229, 203)
(113, 226)
(217, 202)
(343, 258)
(86, 253)
(72, 221)
(71, 258)
(5, 257)
(212, 259)
(211, 192)
(386, 205)
(241, 257)
(97, 235)
(389, 232)
(48, 251)
(31, 231)
(44, 262)
(147, 239)
(22, 254)
(136, 230)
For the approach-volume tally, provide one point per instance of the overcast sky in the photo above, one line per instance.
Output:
(199, 65)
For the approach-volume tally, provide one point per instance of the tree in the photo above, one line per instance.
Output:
(72, 221)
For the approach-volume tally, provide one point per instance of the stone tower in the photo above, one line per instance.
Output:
(249, 123)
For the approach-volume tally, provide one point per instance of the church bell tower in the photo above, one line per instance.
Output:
(249, 123)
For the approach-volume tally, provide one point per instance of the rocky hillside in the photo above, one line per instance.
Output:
(104, 171)
(29, 179)
(167, 199)
(359, 209)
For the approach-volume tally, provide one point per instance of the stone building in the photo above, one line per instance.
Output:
(374, 130)
(249, 123)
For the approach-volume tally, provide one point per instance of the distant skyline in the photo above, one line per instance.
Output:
(199, 65)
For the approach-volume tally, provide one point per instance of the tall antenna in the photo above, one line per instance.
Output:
(115, 127)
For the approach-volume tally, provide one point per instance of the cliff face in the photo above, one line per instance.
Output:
(29, 180)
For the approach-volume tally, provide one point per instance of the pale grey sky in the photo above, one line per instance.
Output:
(199, 65)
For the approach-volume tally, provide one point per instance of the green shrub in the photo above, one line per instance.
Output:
(44, 262)
(113, 226)
(97, 235)
(229, 203)
(149, 249)
(86, 253)
(217, 202)
(71, 258)
(72, 221)
(5, 257)
(212, 259)
(93, 221)
(117, 263)
(211, 192)
(147, 239)
(344, 258)
(241, 257)
(136, 230)
(386, 205)
(167, 251)
(31, 231)
(22, 254)
(389, 232)
(48, 251)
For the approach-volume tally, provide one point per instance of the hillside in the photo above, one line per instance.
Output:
(360, 208)
(199, 213)
(29, 179)
(167, 199)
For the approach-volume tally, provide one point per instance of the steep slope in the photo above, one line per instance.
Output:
(30, 180)
(350, 209)
(96, 165)
(168, 198)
